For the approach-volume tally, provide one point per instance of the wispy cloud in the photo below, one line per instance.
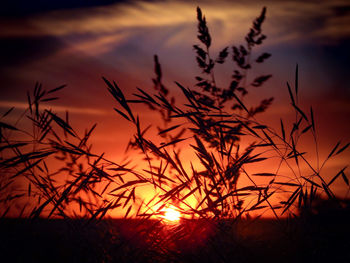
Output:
(100, 29)
(56, 108)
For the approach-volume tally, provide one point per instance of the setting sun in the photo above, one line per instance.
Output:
(171, 214)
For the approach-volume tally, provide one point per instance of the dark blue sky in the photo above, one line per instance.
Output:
(14, 8)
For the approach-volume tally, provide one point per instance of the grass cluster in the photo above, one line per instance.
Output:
(50, 170)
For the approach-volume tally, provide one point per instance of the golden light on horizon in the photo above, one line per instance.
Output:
(171, 214)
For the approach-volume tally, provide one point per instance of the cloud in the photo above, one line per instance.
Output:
(100, 29)
(16, 51)
(124, 36)
(55, 108)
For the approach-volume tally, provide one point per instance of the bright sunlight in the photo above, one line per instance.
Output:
(171, 214)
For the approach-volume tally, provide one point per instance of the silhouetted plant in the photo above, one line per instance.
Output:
(212, 128)
(67, 191)
(50, 170)
(217, 97)
(215, 134)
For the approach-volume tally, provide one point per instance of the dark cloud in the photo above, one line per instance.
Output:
(16, 51)
(341, 10)
(13, 8)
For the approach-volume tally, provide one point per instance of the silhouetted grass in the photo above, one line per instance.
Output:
(226, 139)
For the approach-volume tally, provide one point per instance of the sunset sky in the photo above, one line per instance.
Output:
(78, 42)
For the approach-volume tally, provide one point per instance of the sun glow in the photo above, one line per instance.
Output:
(171, 214)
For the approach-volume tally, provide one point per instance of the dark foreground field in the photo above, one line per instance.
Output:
(323, 238)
